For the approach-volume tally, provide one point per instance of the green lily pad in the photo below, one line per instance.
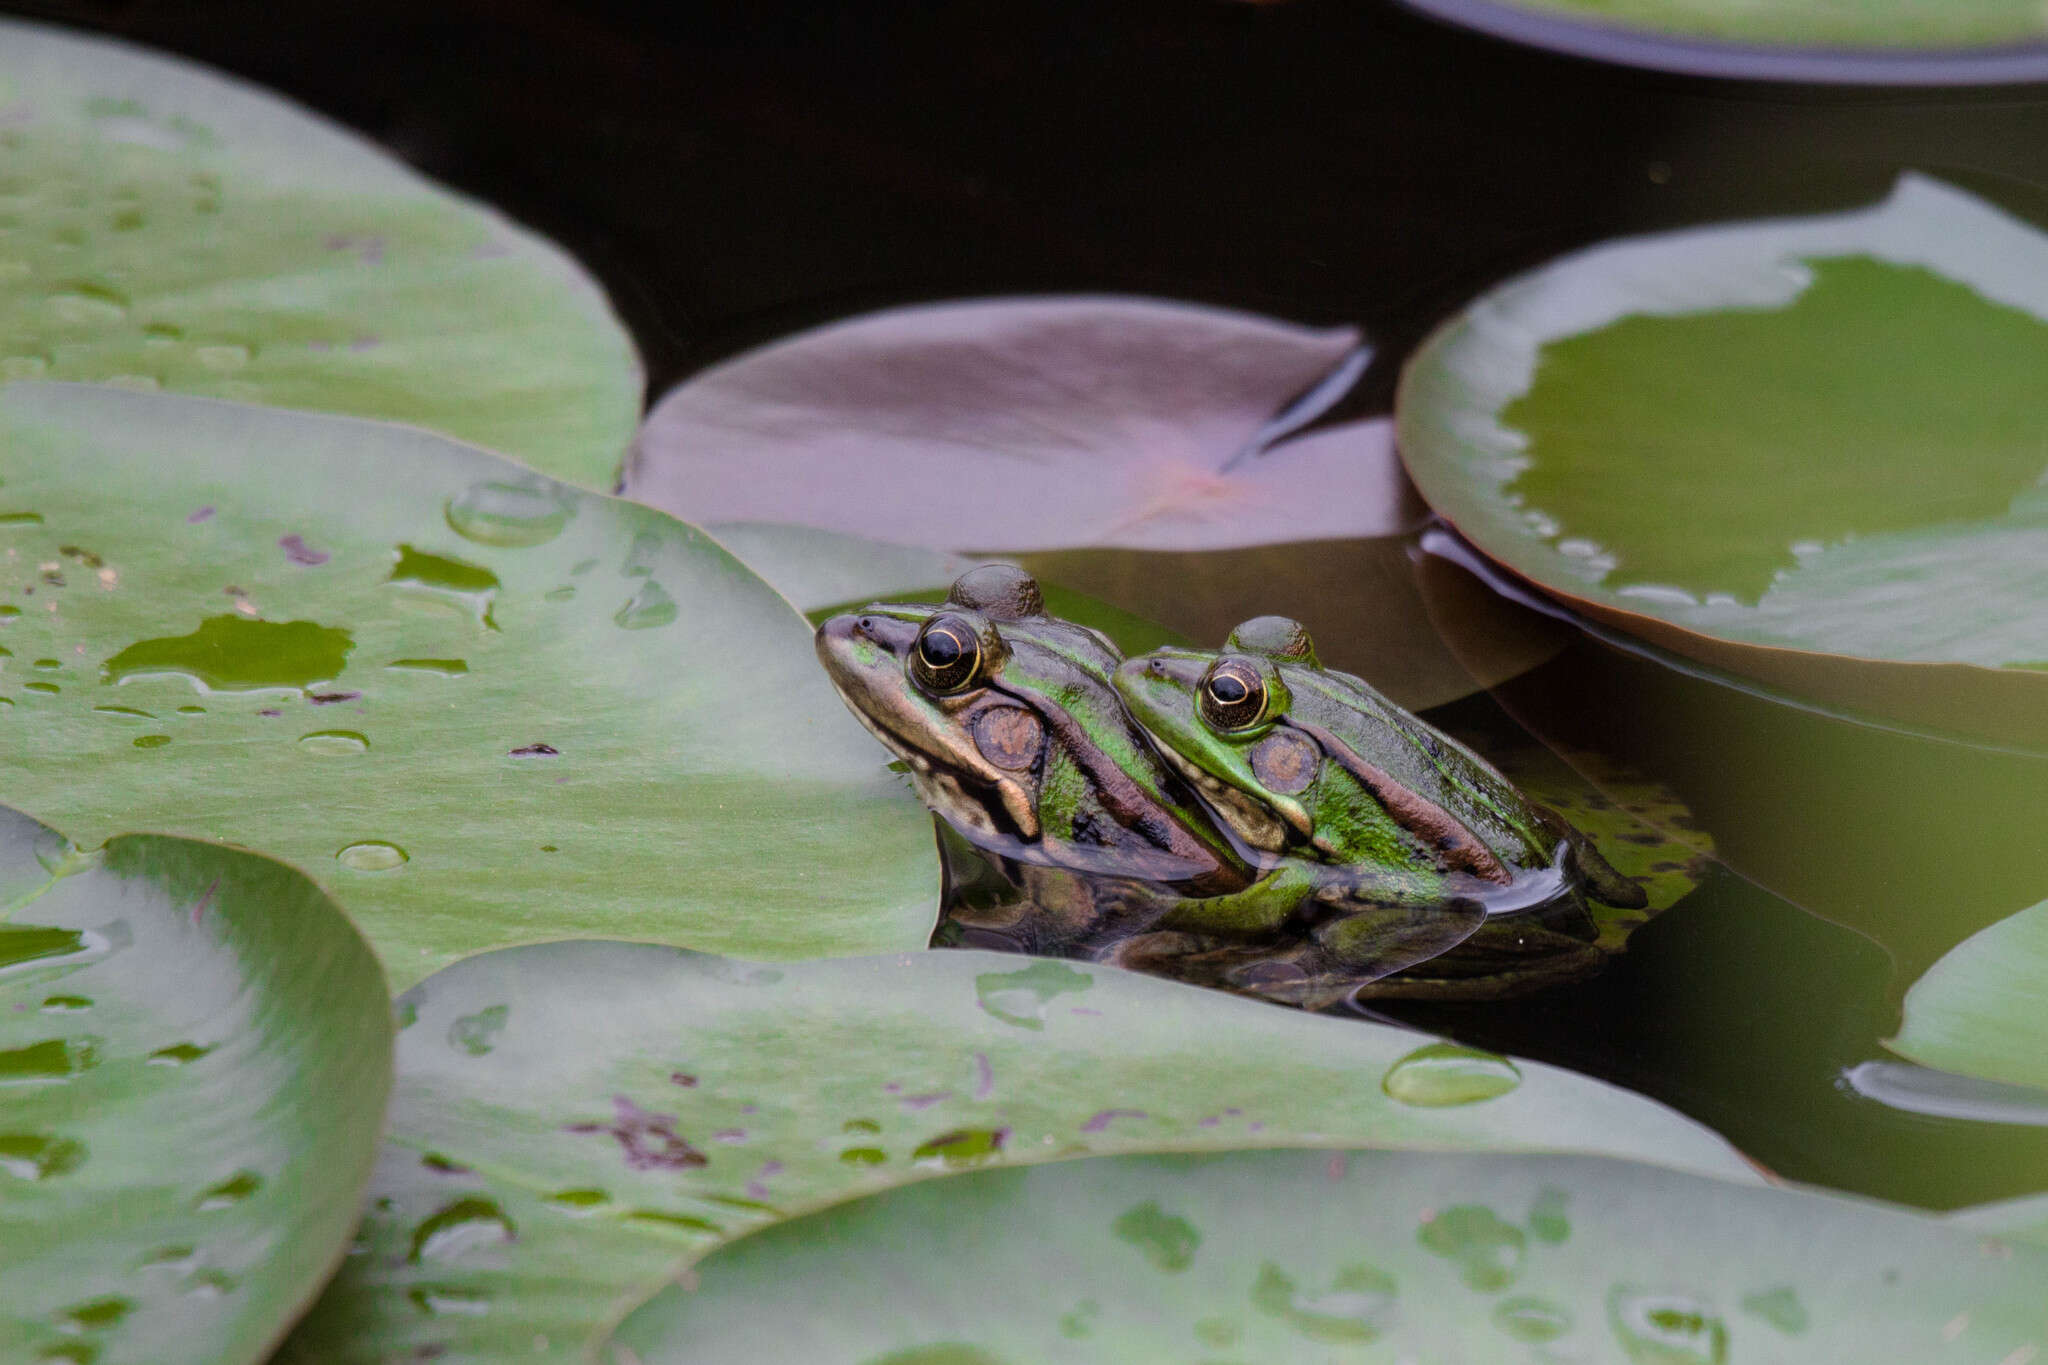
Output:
(165, 227)
(1798, 449)
(1354, 1256)
(2017, 1220)
(577, 1122)
(478, 706)
(195, 1050)
(1934, 42)
(1978, 1010)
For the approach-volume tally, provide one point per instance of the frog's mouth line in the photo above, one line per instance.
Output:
(1251, 820)
(942, 788)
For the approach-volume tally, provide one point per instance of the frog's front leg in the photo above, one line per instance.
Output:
(1260, 910)
(1301, 892)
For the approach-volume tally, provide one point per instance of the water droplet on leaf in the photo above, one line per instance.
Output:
(453, 583)
(372, 855)
(39, 1156)
(334, 743)
(1444, 1074)
(53, 1059)
(648, 609)
(1486, 1251)
(229, 1192)
(236, 654)
(511, 515)
(1665, 1328)
(460, 1227)
(1532, 1320)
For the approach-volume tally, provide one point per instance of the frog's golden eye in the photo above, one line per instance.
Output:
(1233, 695)
(947, 656)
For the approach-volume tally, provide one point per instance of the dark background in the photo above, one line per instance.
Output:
(735, 172)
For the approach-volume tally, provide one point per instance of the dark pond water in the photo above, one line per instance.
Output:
(735, 173)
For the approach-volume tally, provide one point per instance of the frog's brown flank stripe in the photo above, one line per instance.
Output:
(1423, 818)
(1122, 796)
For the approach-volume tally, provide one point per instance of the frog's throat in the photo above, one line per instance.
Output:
(942, 790)
(1259, 825)
(1459, 848)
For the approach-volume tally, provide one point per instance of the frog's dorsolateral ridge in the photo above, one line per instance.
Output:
(1243, 818)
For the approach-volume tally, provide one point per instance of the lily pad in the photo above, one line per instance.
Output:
(1898, 42)
(1798, 449)
(2017, 1220)
(195, 1049)
(1158, 456)
(480, 707)
(593, 1117)
(1366, 1255)
(1978, 1010)
(1027, 424)
(1639, 825)
(166, 227)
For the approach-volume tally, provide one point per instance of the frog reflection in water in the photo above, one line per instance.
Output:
(1299, 760)
(1088, 842)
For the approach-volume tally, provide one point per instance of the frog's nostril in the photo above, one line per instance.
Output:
(864, 626)
(1156, 668)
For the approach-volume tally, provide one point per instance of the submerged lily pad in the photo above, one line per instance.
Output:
(1978, 1010)
(633, 738)
(1145, 453)
(1027, 424)
(1361, 1255)
(166, 227)
(1905, 42)
(596, 1116)
(1639, 825)
(195, 1050)
(1794, 449)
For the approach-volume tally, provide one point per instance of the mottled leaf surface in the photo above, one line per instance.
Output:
(576, 1122)
(478, 706)
(1817, 435)
(166, 227)
(1349, 1256)
(195, 1050)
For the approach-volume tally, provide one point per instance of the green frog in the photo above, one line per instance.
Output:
(1297, 760)
(1066, 832)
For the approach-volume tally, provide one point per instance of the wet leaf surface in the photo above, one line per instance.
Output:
(622, 1109)
(1805, 450)
(632, 710)
(195, 1050)
(164, 227)
(1349, 1255)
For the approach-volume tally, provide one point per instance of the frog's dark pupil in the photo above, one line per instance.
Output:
(941, 648)
(1227, 689)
